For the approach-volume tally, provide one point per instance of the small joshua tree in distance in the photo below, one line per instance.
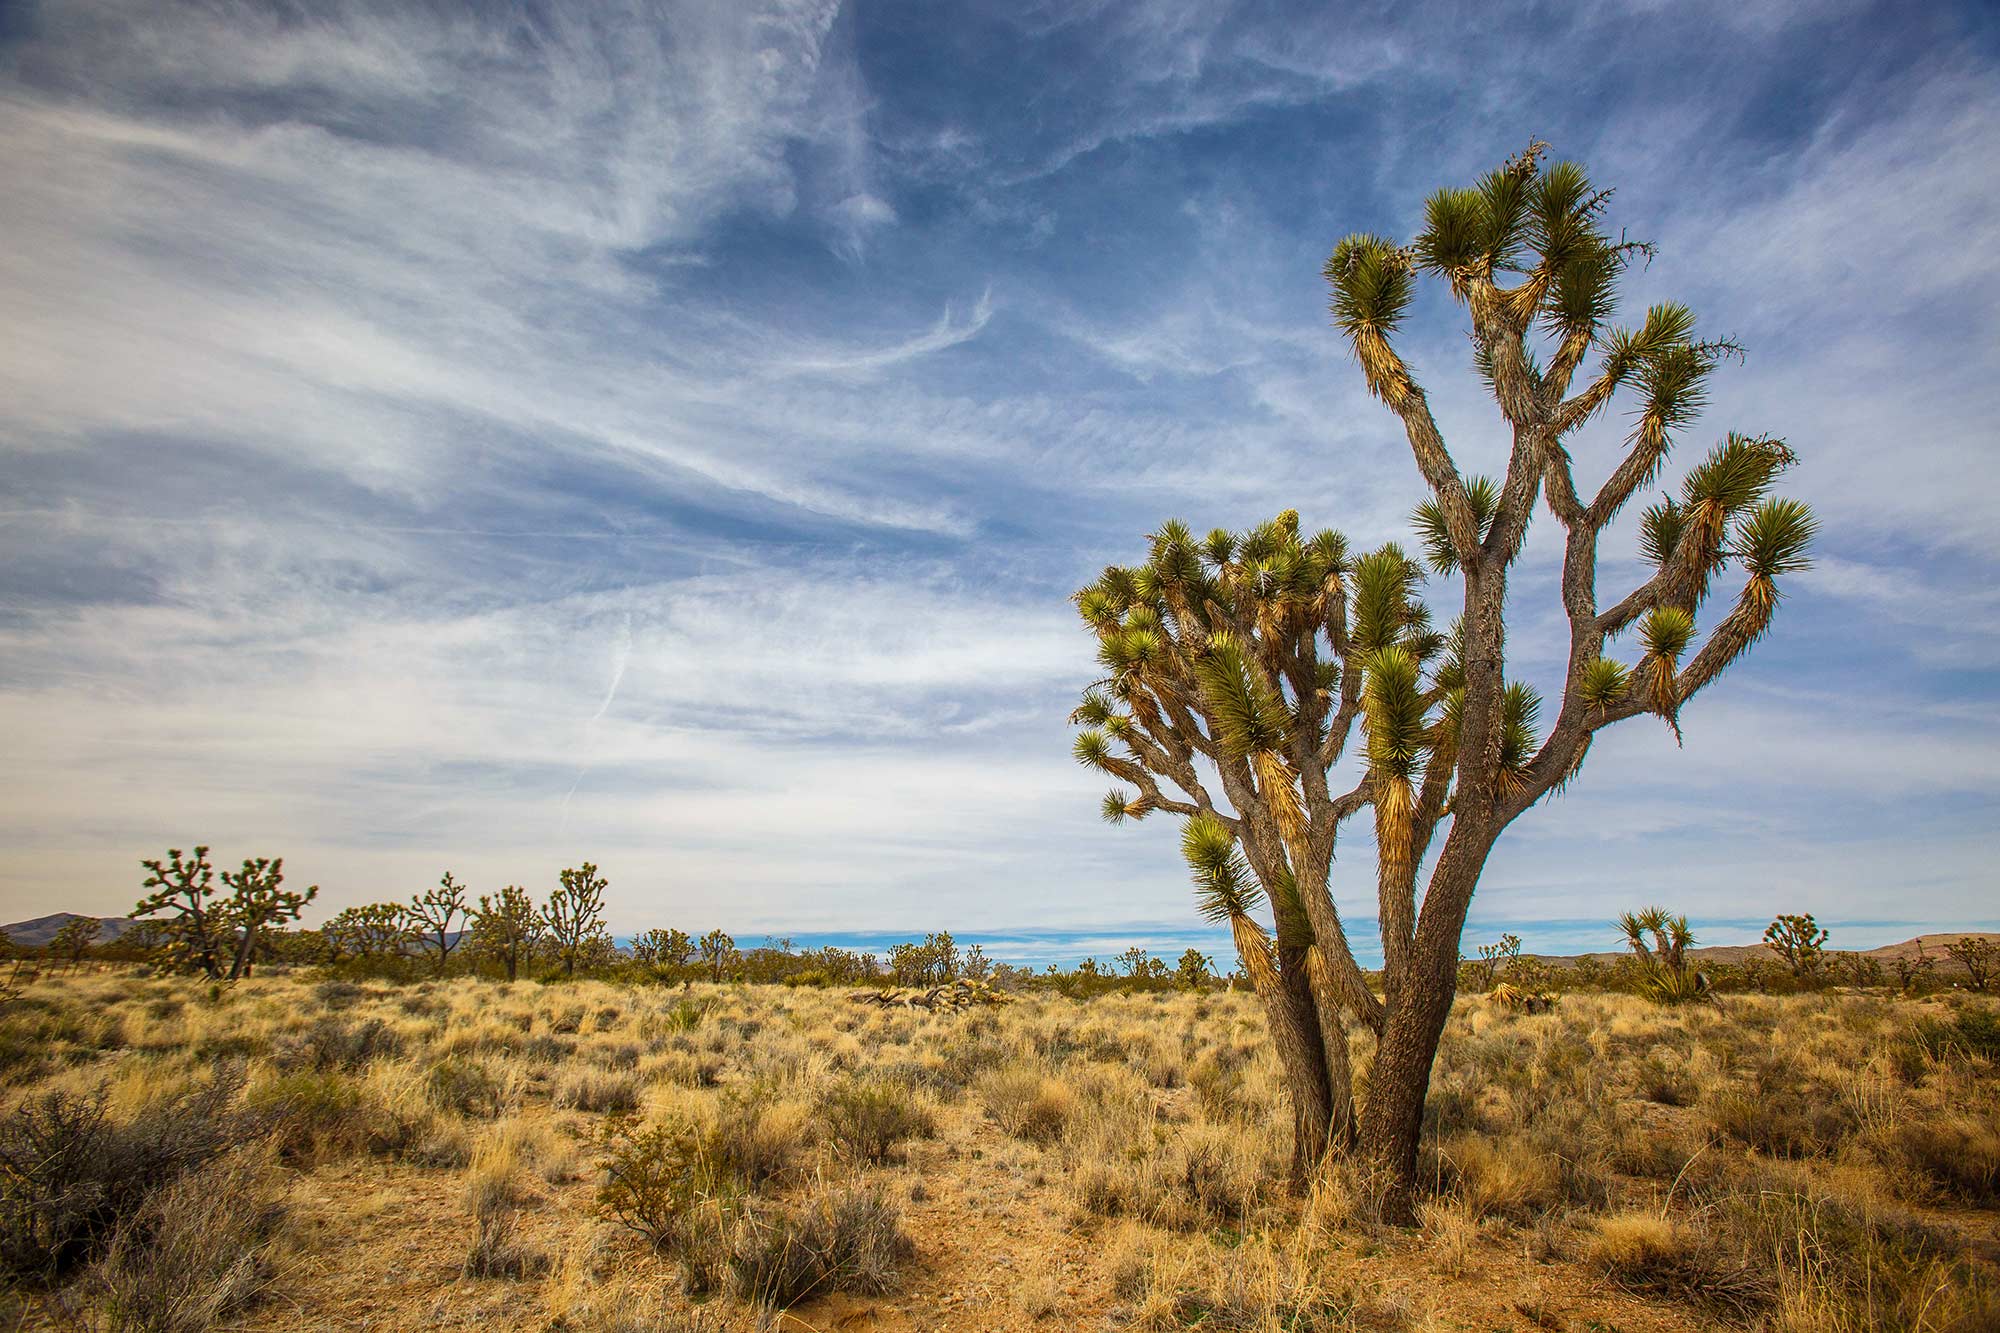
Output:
(434, 913)
(507, 928)
(368, 931)
(575, 914)
(716, 949)
(184, 887)
(1979, 957)
(1799, 941)
(73, 941)
(1195, 970)
(257, 901)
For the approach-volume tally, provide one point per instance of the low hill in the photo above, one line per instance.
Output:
(39, 931)
(1933, 945)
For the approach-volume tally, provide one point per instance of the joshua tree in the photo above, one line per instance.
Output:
(977, 966)
(1799, 941)
(1134, 961)
(193, 937)
(368, 932)
(1491, 957)
(716, 948)
(257, 901)
(931, 963)
(670, 947)
(1196, 969)
(575, 915)
(1671, 938)
(73, 941)
(507, 928)
(1913, 971)
(1979, 957)
(431, 916)
(1667, 976)
(1237, 667)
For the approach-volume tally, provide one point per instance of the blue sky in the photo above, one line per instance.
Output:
(668, 435)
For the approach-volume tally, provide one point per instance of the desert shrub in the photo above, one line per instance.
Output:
(498, 1250)
(494, 1198)
(966, 1059)
(837, 1240)
(1217, 1080)
(330, 1044)
(1210, 1168)
(1655, 1255)
(1972, 1031)
(1958, 1155)
(871, 1119)
(1665, 1081)
(195, 1253)
(465, 1087)
(1027, 1103)
(1656, 1152)
(615, 1055)
(681, 1016)
(1784, 1115)
(684, 1068)
(666, 1183)
(338, 994)
(757, 1136)
(314, 1115)
(23, 1056)
(1503, 1177)
(1839, 1265)
(70, 1175)
(543, 1049)
(441, 1145)
(596, 1090)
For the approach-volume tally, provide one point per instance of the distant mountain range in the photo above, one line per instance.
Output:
(39, 931)
(1933, 945)
(34, 934)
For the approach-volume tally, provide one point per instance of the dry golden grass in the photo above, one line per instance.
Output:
(430, 1156)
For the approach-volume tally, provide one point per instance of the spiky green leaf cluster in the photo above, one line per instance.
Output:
(1224, 887)
(1774, 538)
(1247, 714)
(1666, 631)
(1398, 714)
(1604, 682)
(1484, 495)
(1372, 285)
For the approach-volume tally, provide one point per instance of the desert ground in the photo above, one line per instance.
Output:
(301, 1154)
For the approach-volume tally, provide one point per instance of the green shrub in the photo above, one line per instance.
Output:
(1972, 1031)
(871, 1119)
(1957, 1155)
(313, 1114)
(666, 1183)
(1666, 1082)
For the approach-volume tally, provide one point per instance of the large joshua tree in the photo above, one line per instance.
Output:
(1241, 668)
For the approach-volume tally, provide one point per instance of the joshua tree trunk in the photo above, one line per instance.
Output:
(1303, 1058)
(1399, 1082)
